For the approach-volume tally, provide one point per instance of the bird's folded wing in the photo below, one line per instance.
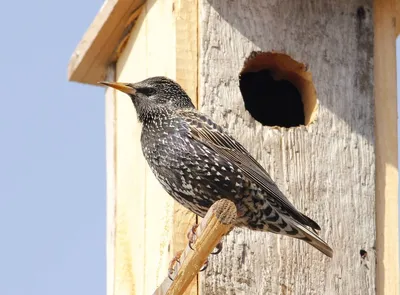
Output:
(208, 133)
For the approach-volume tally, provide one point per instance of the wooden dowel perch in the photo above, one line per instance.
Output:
(217, 222)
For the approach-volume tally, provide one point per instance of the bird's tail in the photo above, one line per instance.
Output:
(313, 239)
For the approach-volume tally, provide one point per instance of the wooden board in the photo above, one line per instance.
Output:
(186, 57)
(130, 175)
(111, 181)
(326, 169)
(150, 226)
(90, 60)
(160, 29)
(387, 24)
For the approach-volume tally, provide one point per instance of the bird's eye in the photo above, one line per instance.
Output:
(147, 91)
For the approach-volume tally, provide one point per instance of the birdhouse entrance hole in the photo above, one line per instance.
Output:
(277, 90)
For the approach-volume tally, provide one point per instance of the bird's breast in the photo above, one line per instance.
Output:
(189, 171)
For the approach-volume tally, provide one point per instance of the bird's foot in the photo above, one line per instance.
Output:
(191, 235)
(171, 267)
(204, 267)
(218, 249)
(176, 259)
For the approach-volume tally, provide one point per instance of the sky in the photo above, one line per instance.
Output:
(52, 154)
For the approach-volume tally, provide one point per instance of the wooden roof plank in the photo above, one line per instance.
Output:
(91, 57)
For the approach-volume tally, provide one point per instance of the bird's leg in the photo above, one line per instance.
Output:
(191, 235)
(171, 267)
(219, 245)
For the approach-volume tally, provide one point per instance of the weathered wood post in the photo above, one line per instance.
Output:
(316, 105)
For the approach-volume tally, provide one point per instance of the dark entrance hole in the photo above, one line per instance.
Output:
(277, 90)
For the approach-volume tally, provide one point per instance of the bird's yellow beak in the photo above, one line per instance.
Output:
(120, 86)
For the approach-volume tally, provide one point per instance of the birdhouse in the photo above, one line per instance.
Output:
(308, 88)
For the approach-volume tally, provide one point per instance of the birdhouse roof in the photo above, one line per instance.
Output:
(97, 49)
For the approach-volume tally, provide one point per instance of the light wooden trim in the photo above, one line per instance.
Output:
(102, 43)
(217, 223)
(131, 177)
(111, 179)
(386, 19)
(186, 28)
(91, 57)
(186, 13)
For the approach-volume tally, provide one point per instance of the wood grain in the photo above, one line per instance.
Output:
(217, 222)
(186, 57)
(150, 225)
(110, 120)
(326, 169)
(387, 18)
(91, 57)
(130, 249)
(160, 206)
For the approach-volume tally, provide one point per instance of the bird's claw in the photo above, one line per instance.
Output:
(204, 267)
(171, 267)
(219, 249)
(191, 235)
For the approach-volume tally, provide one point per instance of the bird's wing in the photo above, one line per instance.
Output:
(213, 136)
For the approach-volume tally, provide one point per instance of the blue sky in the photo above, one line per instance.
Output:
(52, 213)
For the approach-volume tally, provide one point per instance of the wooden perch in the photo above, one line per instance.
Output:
(217, 222)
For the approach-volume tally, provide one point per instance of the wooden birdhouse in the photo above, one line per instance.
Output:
(308, 87)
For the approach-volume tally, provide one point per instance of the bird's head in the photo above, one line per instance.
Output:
(154, 96)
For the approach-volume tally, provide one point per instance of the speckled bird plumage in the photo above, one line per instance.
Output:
(198, 163)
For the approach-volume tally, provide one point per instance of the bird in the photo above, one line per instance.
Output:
(198, 163)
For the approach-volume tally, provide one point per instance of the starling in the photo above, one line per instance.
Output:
(198, 163)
